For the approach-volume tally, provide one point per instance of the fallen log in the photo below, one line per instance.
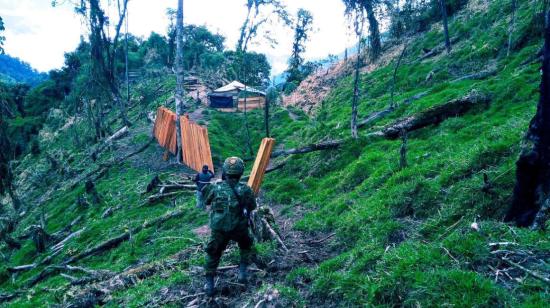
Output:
(268, 170)
(415, 97)
(437, 49)
(476, 76)
(377, 115)
(109, 141)
(62, 243)
(433, 115)
(21, 268)
(162, 195)
(326, 145)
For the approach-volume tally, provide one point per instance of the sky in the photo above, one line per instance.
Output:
(40, 34)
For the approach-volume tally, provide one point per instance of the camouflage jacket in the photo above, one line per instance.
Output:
(226, 213)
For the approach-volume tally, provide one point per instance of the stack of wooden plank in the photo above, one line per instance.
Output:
(260, 164)
(196, 146)
(251, 103)
(165, 129)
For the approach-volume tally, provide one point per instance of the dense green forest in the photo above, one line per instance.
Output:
(412, 171)
(16, 71)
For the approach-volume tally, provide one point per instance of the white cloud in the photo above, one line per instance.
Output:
(40, 34)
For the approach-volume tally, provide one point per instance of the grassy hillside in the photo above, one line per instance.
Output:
(403, 237)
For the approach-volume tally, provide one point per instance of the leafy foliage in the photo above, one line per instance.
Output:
(296, 72)
(13, 70)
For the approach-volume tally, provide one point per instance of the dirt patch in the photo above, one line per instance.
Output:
(203, 231)
(314, 89)
(305, 250)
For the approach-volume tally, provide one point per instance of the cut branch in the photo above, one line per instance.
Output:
(274, 234)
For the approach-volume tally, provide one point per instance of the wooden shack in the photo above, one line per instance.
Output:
(228, 97)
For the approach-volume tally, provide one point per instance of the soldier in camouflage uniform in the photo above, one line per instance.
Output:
(231, 202)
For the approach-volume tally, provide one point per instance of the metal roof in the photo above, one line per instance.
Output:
(237, 86)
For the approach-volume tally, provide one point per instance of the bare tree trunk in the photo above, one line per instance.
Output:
(266, 118)
(355, 100)
(445, 25)
(511, 28)
(403, 151)
(247, 130)
(179, 95)
(532, 190)
(126, 72)
(112, 78)
(392, 105)
(244, 28)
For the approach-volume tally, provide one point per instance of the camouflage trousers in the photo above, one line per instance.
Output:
(218, 243)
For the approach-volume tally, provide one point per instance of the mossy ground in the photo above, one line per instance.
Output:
(403, 235)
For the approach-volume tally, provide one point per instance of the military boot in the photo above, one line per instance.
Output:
(209, 286)
(243, 275)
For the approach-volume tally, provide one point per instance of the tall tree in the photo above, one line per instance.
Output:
(443, 8)
(2, 38)
(301, 35)
(103, 51)
(179, 95)
(358, 9)
(256, 18)
(531, 198)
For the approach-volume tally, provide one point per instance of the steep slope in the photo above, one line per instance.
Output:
(405, 233)
(361, 229)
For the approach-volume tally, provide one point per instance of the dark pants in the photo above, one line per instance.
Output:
(218, 242)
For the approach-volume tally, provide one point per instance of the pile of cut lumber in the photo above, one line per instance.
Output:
(196, 146)
(165, 129)
(260, 164)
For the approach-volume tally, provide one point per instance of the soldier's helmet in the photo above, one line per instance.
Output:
(233, 166)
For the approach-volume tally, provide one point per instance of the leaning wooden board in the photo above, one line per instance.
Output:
(164, 129)
(196, 147)
(260, 164)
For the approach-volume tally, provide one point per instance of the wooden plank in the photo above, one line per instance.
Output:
(196, 146)
(260, 164)
(207, 151)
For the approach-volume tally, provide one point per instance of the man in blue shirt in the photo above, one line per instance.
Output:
(202, 179)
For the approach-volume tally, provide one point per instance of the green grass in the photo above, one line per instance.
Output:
(403, 235)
